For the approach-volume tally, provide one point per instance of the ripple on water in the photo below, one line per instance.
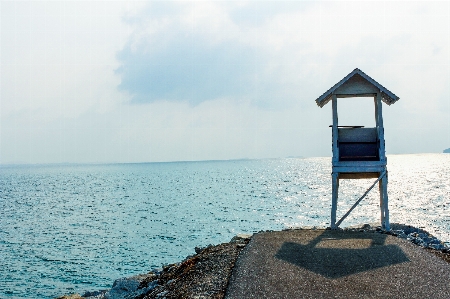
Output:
(73, 228)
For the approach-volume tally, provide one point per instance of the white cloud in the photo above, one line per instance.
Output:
(212, 80)
(59, 56)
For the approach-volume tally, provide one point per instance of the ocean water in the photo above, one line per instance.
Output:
(73, 228)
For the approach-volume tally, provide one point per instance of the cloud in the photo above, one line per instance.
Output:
(268, 53)
(188, 69)
(59, 56)
(203, 51)
(132, 81)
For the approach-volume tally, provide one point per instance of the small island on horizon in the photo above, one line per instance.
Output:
(447, 151)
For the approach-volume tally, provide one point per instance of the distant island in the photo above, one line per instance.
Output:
(447, 151)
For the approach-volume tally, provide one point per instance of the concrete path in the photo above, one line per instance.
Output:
(336, 264)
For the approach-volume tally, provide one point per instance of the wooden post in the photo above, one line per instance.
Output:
(379, 116)
(334, 198)
(334, 175)
(335, 130)
(377, 124)
(382, 203)
(384, 183)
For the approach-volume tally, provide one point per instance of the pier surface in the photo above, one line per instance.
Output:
(336, 264)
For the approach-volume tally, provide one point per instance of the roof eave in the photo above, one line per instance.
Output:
(387, 96)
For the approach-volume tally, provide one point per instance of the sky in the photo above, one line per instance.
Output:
(127, 81)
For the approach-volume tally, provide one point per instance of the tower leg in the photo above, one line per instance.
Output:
(384, 209)
(380, 188)
(334, 197)
(386, 201)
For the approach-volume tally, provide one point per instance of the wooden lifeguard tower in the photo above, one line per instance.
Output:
(359, 152)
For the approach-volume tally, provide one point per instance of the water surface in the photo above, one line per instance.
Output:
(72, 228)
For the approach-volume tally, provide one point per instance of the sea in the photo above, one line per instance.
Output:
(73, 228)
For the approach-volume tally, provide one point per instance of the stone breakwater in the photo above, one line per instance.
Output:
(203, 275)
(206, 274)
(415, 235)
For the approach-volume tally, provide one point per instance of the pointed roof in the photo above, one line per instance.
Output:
(386, 96)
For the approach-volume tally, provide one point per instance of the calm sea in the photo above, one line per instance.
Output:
(72, 228)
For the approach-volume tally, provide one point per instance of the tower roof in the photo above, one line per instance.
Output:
(358, 76)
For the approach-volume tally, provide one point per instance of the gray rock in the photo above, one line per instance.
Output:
(366, 226)
(437, 246)
(122, 287)
(434, 241)
(95, 294)
(127, 287)
(240, 237)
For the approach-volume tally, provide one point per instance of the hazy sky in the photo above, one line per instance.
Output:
(124, 81)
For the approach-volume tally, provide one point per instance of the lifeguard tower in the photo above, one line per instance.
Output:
(359, 152)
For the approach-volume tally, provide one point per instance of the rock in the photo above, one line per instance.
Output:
(366, 226)
(399, 233)
(122, 287)
(434, 241)
(95, 294)
(199, 250)
(72, 296)
(423, 235)
(436, 246)
(240, 237)
(129, 287)
(206, 274)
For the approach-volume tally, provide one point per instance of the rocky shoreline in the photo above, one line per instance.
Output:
(206, 274)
